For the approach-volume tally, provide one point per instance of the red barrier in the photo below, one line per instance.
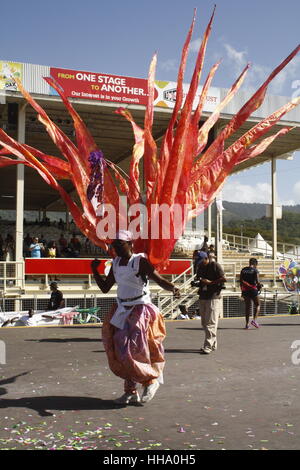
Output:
(83, 266)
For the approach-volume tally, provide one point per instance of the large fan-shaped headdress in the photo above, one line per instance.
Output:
(183, 175)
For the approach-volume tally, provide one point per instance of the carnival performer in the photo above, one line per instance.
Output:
(134, 330)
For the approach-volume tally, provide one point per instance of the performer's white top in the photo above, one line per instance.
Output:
(132, 289)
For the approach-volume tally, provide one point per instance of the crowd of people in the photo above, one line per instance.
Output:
(35, 247)
(45, 247)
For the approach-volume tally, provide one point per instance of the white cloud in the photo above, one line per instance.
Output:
(258, 73)
(195, 45)
(238, 192)
(296, 191)
(286, 77)
(169, 65)
(237, 57)
(235, 191)
(289, 202)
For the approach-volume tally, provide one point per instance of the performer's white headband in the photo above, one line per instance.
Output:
(124, 235)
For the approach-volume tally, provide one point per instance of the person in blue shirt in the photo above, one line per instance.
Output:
(36, 248)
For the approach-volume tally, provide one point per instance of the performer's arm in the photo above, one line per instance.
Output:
(104, 284)
(147, 269)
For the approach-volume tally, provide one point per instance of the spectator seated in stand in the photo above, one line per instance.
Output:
(75, 246)
(52, 250)
(183, 313)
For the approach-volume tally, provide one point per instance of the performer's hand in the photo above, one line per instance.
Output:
(176, 293)
(94, 264)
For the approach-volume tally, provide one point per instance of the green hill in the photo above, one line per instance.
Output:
(252, 218)
(253, 211)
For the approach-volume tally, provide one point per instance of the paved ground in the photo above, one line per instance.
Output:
(57, 391)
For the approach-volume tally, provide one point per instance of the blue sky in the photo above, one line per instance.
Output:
(120, 37)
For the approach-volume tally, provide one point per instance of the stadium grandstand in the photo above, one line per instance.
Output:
(24, 281)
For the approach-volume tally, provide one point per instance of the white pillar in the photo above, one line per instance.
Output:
(20, 188)
(209, 223)
(20, 206)
(274, 209)
(219, 211)
(219, 228)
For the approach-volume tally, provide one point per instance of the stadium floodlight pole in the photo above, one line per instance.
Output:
(274, 211)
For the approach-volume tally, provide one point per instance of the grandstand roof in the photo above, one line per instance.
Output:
(114, 136)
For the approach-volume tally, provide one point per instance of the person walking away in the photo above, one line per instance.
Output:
(250, 287)
(210, 280)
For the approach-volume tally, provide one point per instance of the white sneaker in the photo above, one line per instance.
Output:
(150, 391)
(128, 398)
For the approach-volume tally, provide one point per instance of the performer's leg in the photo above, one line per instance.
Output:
(256, 302)
(155, 336)
(248, 307)
(130, 386)
(148, 382)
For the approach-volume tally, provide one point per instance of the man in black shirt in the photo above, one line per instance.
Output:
(56, 300)
(250, 287)
(210, 276)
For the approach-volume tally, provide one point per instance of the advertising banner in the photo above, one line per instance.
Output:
(166, 96)
(97, 86)
(124, 90)
(103, 87)
(9, 70)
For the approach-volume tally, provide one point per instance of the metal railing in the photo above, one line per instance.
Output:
(247, 244)
(12, 276)
(272, 303)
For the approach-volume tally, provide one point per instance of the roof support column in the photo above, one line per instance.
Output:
(209, 223)
(274, 208)
(219, 228)
(20, 198)
(219, 215)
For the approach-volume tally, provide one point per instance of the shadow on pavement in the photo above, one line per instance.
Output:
(11, 380)
(42, 404)
(182, 351)
(65, 340)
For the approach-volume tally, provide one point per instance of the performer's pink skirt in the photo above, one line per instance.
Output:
(136, 353)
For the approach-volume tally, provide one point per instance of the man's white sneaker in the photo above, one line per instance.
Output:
(128, 398)
(150, 391)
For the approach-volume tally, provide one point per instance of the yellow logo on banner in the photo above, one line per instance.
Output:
(9, 70)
